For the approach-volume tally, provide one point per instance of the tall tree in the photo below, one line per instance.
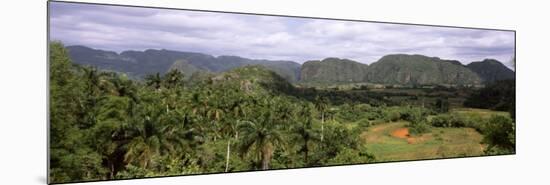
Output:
(322, 106)
(154, 81)
(173, 78)
(260, 137)
(304, 131)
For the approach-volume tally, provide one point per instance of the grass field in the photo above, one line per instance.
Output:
(484, 113)
(388, 143)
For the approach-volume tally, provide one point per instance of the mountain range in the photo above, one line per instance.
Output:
(390, 69)
(141, 63)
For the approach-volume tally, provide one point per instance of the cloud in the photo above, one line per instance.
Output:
(267, 37)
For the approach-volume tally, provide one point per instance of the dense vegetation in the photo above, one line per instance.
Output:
(107, 125)
(499, 95)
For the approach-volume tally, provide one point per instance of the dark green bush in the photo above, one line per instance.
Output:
(419, 127)
(499, 135)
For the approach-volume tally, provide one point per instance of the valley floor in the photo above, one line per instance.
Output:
(391, 142)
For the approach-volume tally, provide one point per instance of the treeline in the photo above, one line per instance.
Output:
(106, 126)
(499, 131)
(499, 95)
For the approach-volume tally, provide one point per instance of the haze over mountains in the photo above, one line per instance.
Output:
(391, 69)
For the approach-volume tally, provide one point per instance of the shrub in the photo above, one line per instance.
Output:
(351, 156)
(451, 120)
(440, 121)
(499, 134)
(419, 127)
(391, 115)
(364, 123)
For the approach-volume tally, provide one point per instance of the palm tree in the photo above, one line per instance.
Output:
(157, 134)
(261, 137)
(92, 95)
(321, 106)
(122, 86)
(173, 78)
(92, 80)
(215, 113)
(230, 127)
(154, 81)
(305, 131)
(284, 112)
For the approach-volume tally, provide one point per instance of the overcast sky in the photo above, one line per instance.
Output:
(119, 28)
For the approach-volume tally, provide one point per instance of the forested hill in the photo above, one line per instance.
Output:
(405, 69)
(401, 69)
(490, 70)
(419, 69)
(333, 70)
(141, 63)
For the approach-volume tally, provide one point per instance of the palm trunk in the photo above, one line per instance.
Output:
(266, 156)
(265, 161)
(227, 156)
(306, 151)
(112, 171)
(322, 126)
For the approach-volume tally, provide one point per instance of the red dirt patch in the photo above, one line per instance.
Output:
(401, 133)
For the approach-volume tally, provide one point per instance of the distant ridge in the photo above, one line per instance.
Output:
(333, 70)
(491, 70)
(419, 69)
(141, 63)
(402, 69)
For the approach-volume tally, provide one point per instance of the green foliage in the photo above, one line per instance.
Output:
(442, 105)
(391, 115)
(499, 95)
(419, 127)
(413, 114)
(499, 135)
(450, 120)
(339, 138)
(350, 156)
(105, 125)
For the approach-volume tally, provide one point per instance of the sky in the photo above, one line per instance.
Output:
(118, 28)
